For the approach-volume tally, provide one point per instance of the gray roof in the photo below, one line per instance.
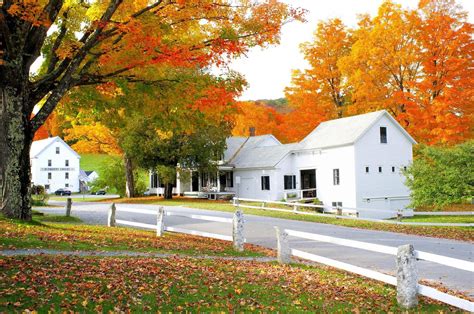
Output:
(38, 146)
(345, 131)
(233, 144)
(263, 156)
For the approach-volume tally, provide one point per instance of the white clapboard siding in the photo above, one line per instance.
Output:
(199, 233)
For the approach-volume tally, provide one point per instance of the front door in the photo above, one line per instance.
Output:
(308, 182)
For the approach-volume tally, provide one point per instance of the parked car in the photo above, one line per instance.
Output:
(62, 192)
(100, 192)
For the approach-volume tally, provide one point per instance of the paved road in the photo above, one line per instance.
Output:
(260, 230)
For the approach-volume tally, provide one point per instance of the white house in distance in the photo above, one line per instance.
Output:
(55, 165)
(353, 162)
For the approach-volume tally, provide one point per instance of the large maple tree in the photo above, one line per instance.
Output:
(415, 63)
(92, 42)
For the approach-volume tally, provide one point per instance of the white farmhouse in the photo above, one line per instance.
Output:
(353, 162)
(55, 165)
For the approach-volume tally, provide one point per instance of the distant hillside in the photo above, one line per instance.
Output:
(280, 104)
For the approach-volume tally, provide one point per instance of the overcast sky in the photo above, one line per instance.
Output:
(268, 71)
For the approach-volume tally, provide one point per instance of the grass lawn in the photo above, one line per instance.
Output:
(78, 198)
(66, 233)
(441, 219)
(82, 284)
(61, 283)
(466, 207)
(93, 162)
(457, 233)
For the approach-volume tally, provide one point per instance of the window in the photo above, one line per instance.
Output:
(380, 169)
(290, 182)
(47, 186)
(66, 185)
(265, 183)
(50, 176)
(229, 178)
(66, 163)
(367, 169)
(57, 150)
(393, 169)
(383, 134)
(50, 163)
(335, 177)
(336, 204)
(66, 175)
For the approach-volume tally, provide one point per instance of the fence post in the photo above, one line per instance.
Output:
(399, 215)
(111, 217)
(160, 226)
(238, 230)
(295, 208)
(407, 277)
(283, 247)
(68, 207)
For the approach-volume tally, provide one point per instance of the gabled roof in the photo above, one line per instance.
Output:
(236, 144)
(345, 131)
(37, 147)
(262, 157)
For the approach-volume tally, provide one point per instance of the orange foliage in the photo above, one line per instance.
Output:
(50, 128)
(264, 119)
(417, 64)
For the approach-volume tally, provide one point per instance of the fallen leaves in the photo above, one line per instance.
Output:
(83, 237)
(65, 283)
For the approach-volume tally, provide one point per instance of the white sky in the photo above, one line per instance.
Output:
(268, 71)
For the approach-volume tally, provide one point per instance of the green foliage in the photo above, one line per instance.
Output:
(441, 176)
(39, 197)
(94, 162)
(112, 178)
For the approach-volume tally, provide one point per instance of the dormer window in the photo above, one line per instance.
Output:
(57, 150)
(50, 162)
(383, 135)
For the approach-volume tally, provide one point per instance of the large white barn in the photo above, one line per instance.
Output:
(351, 162)
(55, 165)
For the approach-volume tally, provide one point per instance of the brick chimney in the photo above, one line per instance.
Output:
(252, 131)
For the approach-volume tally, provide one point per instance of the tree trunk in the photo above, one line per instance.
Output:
(15, 143)
(168, 194)
(130, 183)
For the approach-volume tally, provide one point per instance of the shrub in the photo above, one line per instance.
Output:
(39, 197)
(440, 176)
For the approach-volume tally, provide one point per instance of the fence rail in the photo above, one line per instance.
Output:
(337, 212)
(284, 248)
(237, 223)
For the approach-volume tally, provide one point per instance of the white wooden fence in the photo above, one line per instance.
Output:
(284, 253)
(337, 212)
(237, 223)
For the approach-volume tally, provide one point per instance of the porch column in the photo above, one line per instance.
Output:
(218, 183)
(178, 184)
(199, 181)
